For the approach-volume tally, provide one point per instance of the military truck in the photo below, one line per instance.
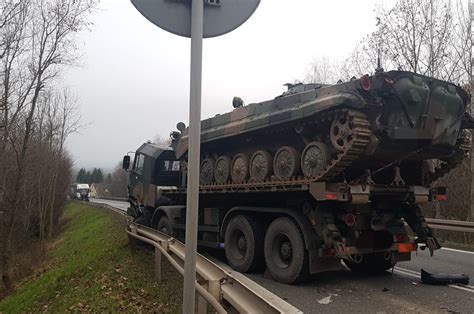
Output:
(319, 174)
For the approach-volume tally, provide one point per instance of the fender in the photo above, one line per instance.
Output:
(311, 239)
(170, 211)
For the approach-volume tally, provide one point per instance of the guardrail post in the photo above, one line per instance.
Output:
(201, 305)
(214, 288)
(157, 265)
(131, 240)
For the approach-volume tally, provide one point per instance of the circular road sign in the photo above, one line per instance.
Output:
(220, 16)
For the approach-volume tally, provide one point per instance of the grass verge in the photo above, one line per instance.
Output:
(92, 269)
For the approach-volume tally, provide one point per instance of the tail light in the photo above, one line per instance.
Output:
(364, 82)
(438, 194)
(406, 247)
(331, 196)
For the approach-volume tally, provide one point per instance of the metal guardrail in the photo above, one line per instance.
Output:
(113, 198)
(216, 286)
(106, 206)
(450, 225)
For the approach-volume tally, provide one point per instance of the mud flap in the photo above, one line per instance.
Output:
(443, 279)
(415, 219)
(318, 264)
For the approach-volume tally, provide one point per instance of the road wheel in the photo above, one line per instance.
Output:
(314, 159)
(286, 163)
(207, 171)
(164, 225)
(244, 244)
(373, 263)
(261, 165)
(222, 169)
(285, 254)
(240, 168)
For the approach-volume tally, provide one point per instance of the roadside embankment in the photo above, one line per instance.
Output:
(91, 268)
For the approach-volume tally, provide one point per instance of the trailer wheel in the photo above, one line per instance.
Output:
(244, 244)
(285, 254)
(373, 263)
(164, 225)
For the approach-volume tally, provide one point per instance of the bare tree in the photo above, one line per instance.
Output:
(68, 122)
(323, 70)
(117, 181)
(37, 40)
(430, 37)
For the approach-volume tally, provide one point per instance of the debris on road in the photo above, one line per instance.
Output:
(443, 279)
(327, 300)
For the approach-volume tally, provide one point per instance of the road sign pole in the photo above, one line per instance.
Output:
(192, 199)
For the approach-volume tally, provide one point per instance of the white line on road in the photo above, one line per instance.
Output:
(455, 250)
(415, 274)
(395, 270)
(407, 270)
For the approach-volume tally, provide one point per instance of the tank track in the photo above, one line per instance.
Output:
(339, 162)
(356, 149)
(464, 145)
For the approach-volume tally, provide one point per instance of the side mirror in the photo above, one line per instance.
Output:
(126, 162)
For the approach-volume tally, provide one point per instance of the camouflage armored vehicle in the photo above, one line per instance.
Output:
(318, 174)
(331, 133)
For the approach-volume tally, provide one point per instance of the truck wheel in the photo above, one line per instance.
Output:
(285, 254)
(164, 225)
(372, 263)
(244, 244)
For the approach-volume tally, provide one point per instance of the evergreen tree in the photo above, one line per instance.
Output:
(88, 177)
(81, 176)
(97, 176)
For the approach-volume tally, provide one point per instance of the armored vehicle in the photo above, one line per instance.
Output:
(318, 174)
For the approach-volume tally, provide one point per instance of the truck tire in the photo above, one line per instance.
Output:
(372, 264)
(244, 244)
(164, 225)
(285, 253)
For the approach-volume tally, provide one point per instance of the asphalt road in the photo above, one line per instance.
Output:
(400, 291)
(117, 204)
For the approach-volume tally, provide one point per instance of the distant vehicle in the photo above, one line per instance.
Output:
(316, 175)
(79, 191)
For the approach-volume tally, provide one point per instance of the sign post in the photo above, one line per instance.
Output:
(197, 19)
(192, 195)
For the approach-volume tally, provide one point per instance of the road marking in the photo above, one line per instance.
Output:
(395, 270)
(415, 274)
(455, 250)
(407, 270)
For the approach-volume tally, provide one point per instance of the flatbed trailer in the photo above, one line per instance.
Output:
(293, 228)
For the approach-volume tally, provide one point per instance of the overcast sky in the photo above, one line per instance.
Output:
(134, 84)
